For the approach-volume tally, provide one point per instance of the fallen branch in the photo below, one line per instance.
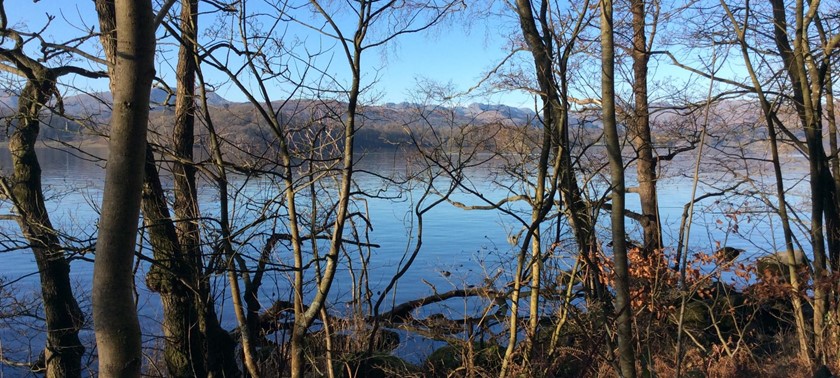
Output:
(403, 311)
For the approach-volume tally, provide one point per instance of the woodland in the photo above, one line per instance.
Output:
(625, 95)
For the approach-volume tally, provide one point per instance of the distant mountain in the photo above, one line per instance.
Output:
(379, 124)
(96, 105)
(99, 104)
(500, 111)
(474, 113)
(213, 99)
(160, 97)
(8, 101)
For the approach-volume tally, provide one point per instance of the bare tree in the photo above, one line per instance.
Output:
(127, 33)
(639, 130)
(370, 16)
(740, 29)
(806, 68)
(63, 352)
(627, 361)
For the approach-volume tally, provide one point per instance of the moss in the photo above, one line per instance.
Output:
(375, 366)
(348, 343)
(696, 314)
(446, 359)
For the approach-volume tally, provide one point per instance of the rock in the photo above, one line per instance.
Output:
(776, 265)
(445, 360)
(350, 343)
(40, 365)
(727, 254)
(823, 372)
(376, 366)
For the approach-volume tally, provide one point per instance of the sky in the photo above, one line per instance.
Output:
(458, 53)
(448, 54)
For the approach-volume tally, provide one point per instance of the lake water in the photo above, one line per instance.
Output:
(460, 247)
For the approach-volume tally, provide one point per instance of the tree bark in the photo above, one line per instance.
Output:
(640, 135)
(824, 214)
(627, 360)
(168, 276)
(793, 273)
(63, 316)
(114, 312)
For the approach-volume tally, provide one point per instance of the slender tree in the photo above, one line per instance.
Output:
(555, 171)
(63, 317)
(627, 361)
(195, 343)
(806, 72)
(127, 34)
(352, 43)
(640, 134)
(740, 30)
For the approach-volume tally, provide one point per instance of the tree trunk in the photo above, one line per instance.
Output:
(793, 273)
(220, 358)
(304, 318)
(640, 135)
(64, 351)
(627, 360)
(823, 191)
(214, 333)
(168, 276)
(114, 312)
(834, 257)
(186, 200)
(189, 322)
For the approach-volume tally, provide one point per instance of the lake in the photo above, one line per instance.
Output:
(460, 248)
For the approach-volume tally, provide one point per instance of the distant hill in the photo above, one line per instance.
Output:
(86, 116)
(8, 101)
(380, 125)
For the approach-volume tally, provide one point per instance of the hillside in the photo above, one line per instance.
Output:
(86, 116)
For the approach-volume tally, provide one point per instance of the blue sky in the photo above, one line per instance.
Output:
(451, 54)
(445, 54)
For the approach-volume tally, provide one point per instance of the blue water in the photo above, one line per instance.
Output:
(460, 248)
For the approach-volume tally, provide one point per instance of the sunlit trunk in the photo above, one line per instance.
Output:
(63, 352)
(114, 312)
(824, 214)
(640, 135)
(627, 360)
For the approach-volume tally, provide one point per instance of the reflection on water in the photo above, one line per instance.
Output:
(453, 238)
(459, 247)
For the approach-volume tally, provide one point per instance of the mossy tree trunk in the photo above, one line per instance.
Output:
(63, 316)
(195, 344)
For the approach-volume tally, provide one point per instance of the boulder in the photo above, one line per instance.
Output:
(444, 361)
(776, 265)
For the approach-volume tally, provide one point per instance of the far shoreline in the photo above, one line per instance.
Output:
(87, 143)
